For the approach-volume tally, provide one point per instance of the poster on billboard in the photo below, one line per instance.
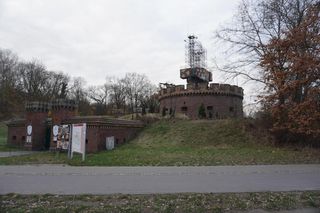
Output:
(78, 139)
(62, 137)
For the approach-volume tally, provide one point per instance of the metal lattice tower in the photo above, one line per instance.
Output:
(196, 54)
(196, 62)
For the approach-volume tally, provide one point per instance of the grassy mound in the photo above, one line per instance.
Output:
(186, 143)
(200, 142)
(195, 133)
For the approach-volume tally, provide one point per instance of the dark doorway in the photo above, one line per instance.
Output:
(48, 137)
(184, 109)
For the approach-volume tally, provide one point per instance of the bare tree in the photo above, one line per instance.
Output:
(99, 94)
(149, 100)
(77, 89)
(24, 81)
(256, 23)
(57, 85)
(9, 93)
(34, 80)
(77, 92)
(136, 86)
(8, 63)
(117, 92)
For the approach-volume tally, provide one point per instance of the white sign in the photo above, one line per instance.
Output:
(55, 130)
(110, 143)
(78, 138)
(28, 139)
(29, 129)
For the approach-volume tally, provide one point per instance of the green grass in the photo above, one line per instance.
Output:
(182, 143)
(187, 202)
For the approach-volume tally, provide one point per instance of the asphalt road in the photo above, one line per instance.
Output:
(59, 179)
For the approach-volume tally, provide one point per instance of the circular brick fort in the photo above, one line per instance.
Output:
(200, 99)
(219, 100)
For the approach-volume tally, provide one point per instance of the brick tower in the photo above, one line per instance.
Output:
(36, 124)
(215, 101)
(61, 110)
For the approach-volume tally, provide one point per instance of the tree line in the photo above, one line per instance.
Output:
(23, 81)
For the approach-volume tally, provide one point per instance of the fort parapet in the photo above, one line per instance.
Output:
(201, 89)
(37, 106)
(219, 100)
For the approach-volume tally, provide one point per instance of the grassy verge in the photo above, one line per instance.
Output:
(160, 203)
(8, 148)
(182, 143)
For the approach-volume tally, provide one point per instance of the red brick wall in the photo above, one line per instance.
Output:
(38, 122)
(121, 135)
(61, 114)
(16, 135)
(222, 106)
(92, 138)
(96, 136)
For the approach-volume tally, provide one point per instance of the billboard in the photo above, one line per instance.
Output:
(79, 138)
(62, 136)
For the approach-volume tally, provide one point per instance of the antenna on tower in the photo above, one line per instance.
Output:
(196, 62)
(195, 53)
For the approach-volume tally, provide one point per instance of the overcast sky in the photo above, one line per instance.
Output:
(98, 38)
